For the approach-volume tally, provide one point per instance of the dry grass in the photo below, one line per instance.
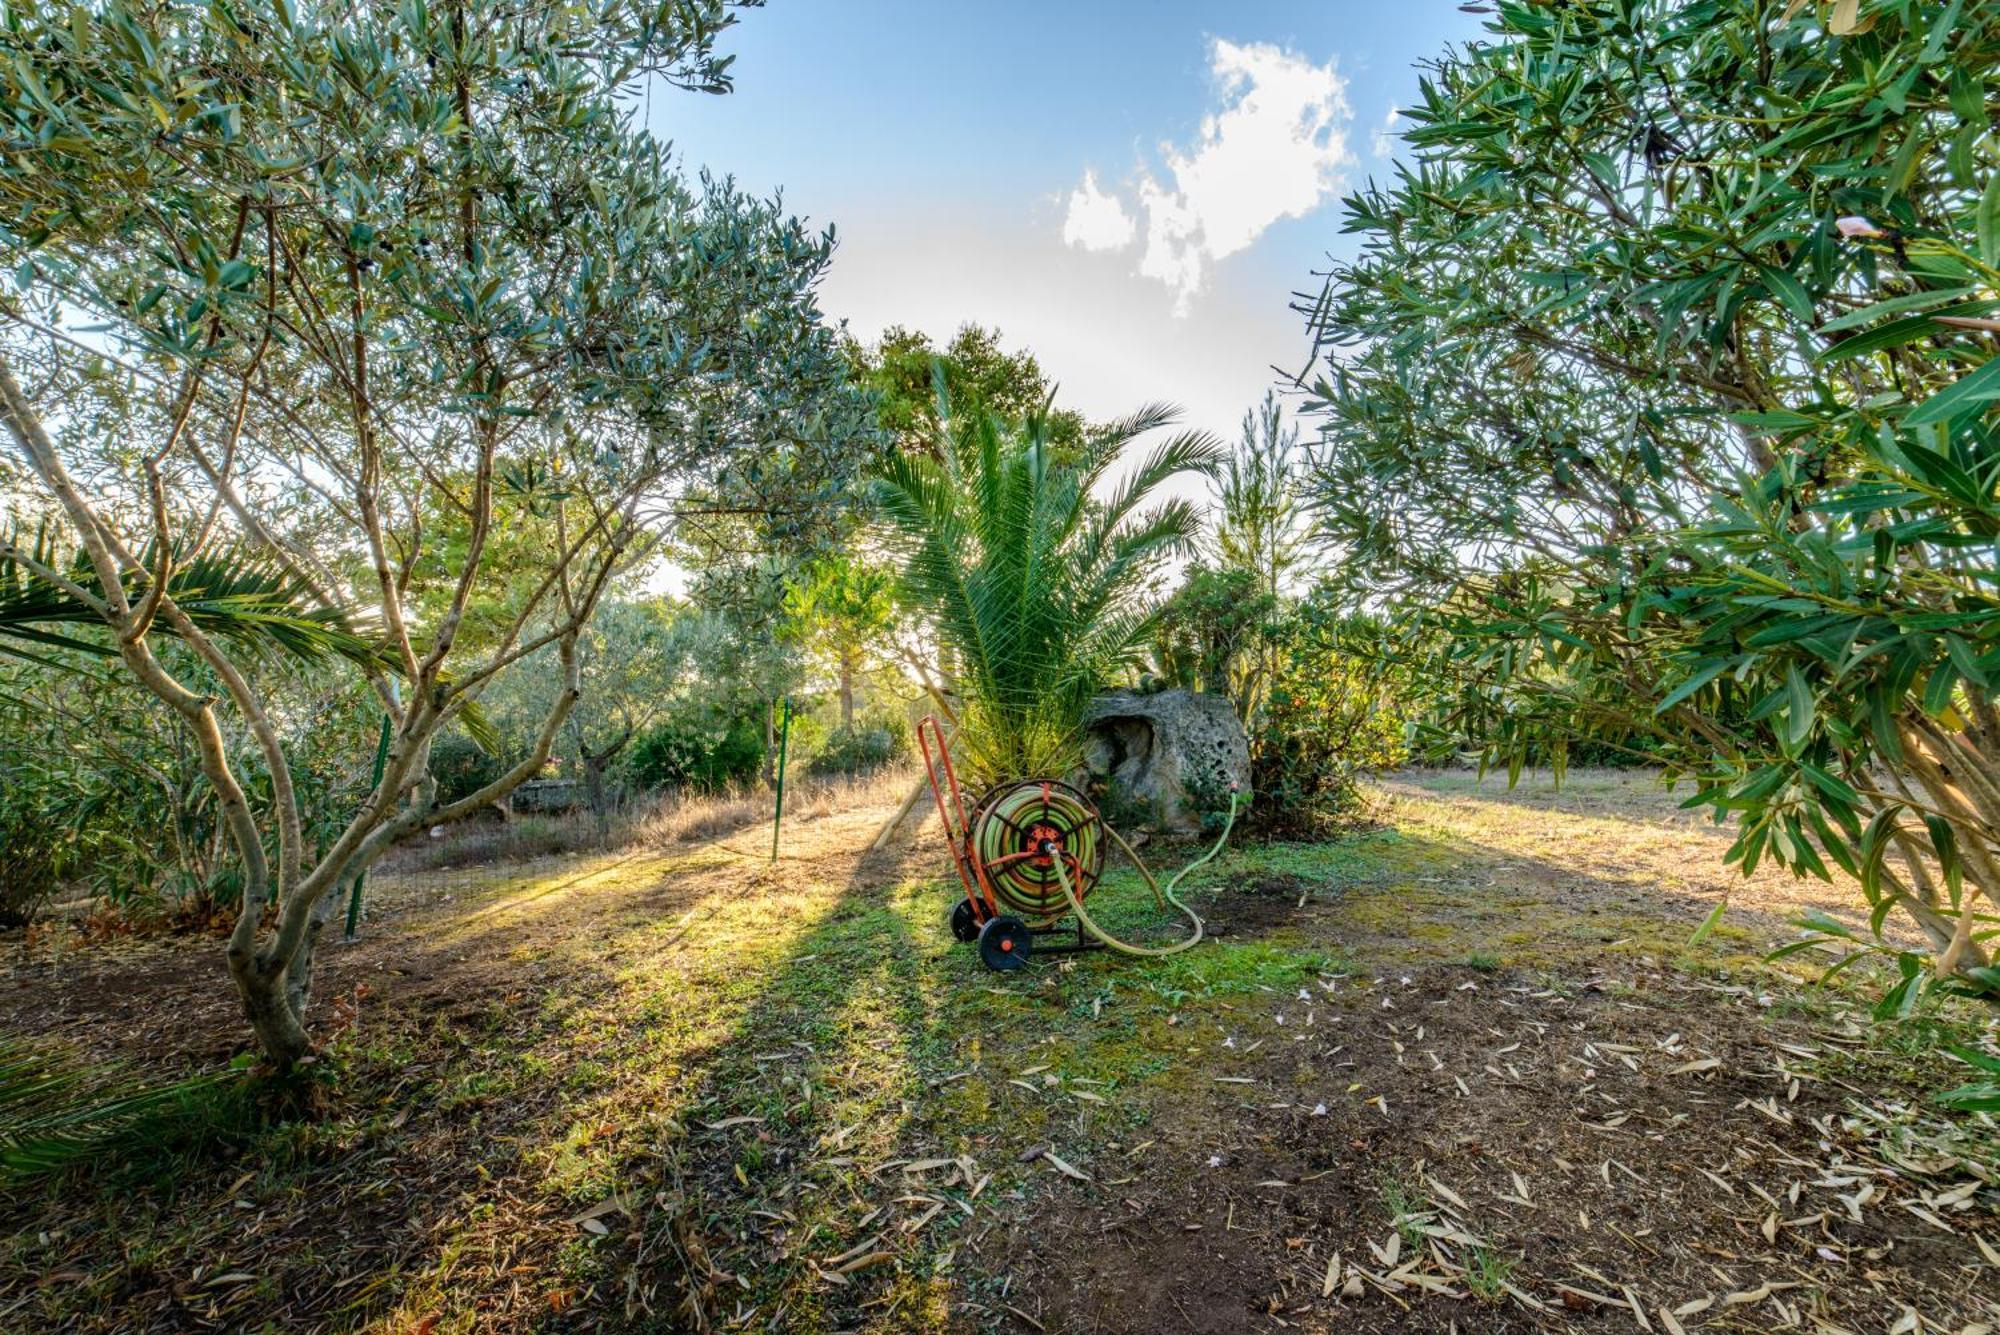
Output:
(650, 820)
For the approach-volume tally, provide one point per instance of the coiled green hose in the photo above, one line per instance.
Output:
(1010, 827)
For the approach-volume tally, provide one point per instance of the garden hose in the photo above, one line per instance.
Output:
(1167, 892)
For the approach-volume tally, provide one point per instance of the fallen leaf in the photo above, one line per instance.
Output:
(865, 1262)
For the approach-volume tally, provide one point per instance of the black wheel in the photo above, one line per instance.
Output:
(1004, 944)
(964, 927)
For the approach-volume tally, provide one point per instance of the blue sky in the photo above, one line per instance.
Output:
(1131, 190)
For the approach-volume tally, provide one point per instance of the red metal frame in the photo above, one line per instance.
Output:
(930, 734)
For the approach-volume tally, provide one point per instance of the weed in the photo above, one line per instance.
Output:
(1407, 1211)
(1488, 1273)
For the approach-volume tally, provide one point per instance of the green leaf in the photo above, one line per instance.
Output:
(1938, 690)
(1969, 393)
(1988, 222)
(1964, 660)
(1883, 726)
(1790, 291)
(1898, 332)
(1914, 301)
(1687, 688)
(1708, 923)
(1819, 921)
(1985, 1061)
(1798, 705)
(1983, 1098)
(1901, 1000)
(1828, 784)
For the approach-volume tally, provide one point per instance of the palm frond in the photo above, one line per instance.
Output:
(58, 1111)
(1034, 587)
(233, 596)
(1189, 452)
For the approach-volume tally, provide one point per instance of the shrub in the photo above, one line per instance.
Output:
(1333, 714)
(1215, 635)
(461, 768)
(866, 746)
(32, 848)
(688, 754)
(63, 820)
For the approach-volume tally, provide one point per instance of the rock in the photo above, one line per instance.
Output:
(550, 796)
(1171, 756)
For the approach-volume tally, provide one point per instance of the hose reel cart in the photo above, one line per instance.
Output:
(1028, 855)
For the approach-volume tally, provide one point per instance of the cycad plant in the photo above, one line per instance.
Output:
(1035, 585)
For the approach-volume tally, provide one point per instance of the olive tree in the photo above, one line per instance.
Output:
(634, 663)
(369, 291)
(1660, 400)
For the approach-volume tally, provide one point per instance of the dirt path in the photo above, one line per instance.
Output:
(1460, 1072)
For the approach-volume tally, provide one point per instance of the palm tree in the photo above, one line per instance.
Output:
(1036, 586)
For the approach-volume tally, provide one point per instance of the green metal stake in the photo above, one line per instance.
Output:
(778, 812)
(381, 763)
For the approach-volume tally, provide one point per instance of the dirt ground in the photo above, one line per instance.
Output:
(1461, 1070)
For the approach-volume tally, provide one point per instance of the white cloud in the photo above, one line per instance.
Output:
(1096, 220)
(1273, 147)
(1389, 138)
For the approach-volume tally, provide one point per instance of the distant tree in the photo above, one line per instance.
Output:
(1262, 529)
(634, 658)
(750, 644)
(846, 605)
(632, 662)
(1216, 634)
(977, 375)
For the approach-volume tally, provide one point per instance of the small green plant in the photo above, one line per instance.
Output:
(1481, 960)
(1487, 1274)
(861, 748)
(1977, 1095)
(1407, 1211)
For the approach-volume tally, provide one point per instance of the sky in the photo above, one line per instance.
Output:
(1133, 191)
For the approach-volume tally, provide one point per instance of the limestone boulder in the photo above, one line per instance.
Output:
(1163, 760)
